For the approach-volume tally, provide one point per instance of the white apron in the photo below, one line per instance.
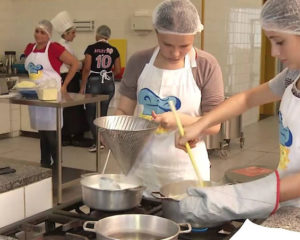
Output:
(39, 69)
(289, 137)
(160, 162)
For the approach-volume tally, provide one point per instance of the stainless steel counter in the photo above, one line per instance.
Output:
(65, 100)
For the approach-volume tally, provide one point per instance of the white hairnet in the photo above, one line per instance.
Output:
(281, 16)
(46, 26)
(103, 31)
(176, 17)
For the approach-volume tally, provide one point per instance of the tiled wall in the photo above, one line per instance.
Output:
(236, 42)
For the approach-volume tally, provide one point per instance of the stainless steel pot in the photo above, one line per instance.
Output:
(111, 200)
(171, 194)
(136, 226)
(213, 141)
(10, 59)
(232, 128)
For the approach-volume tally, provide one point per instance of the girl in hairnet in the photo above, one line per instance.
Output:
(280, 21)
(101, 64)
(74, 117)
(175, 71)
(43, 61)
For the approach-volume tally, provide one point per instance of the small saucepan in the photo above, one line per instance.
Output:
(137, 227)
(121, 193)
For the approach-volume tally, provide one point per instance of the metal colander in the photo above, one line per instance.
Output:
(125, 136)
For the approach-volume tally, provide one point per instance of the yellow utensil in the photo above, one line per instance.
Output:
(187, 145)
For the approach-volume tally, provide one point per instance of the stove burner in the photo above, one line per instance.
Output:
(53, 237)
(146, 207)
(199, 230)
(68, 236)
(64, 222)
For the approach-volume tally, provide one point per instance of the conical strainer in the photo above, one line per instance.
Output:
(125, 136)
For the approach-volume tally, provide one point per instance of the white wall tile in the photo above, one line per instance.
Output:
(235, 41)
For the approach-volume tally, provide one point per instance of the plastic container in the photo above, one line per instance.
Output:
(47, 94)
(28, 93)
(20, 67)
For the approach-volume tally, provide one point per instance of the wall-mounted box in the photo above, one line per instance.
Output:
(141, 23)
(84, 25)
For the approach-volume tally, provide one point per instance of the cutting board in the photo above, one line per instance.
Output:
(247, 173)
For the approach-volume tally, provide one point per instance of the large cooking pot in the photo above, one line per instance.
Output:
(171, 194)
(95, 196)
(137, 227)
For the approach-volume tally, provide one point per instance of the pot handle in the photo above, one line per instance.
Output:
(139, 188)
(86, 228)
(88, 174)
(158, 195)
(186, 225)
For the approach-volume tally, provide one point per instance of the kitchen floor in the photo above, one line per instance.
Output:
(260, 148)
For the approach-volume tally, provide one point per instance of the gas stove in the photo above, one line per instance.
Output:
(65, 221)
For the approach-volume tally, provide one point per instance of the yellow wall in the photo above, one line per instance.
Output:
(121, 45)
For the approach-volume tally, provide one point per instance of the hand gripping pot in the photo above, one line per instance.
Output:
(136, 226)
(125, 136)
(111, 192)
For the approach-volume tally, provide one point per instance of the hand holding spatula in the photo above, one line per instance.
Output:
(187, 145)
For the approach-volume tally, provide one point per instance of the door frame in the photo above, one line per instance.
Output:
(267, 72)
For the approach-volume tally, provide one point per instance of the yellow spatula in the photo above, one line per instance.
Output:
(187, 145)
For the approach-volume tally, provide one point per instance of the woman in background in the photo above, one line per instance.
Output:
(101, 64)
(74, 118)
(43, 61)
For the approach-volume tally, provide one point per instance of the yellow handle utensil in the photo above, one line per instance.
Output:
(187, 145)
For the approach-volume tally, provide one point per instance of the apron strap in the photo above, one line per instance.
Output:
(104, 75)
(187, 63)
(47, 47)
(154, 55)
(48, 44)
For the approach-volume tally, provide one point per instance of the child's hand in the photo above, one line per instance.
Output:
(191, 136)
(166, 120)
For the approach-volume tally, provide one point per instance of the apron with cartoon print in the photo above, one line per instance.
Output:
(40, 70)
(160, 162)
(289, 137)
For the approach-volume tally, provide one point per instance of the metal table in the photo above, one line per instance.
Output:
(65, 100)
